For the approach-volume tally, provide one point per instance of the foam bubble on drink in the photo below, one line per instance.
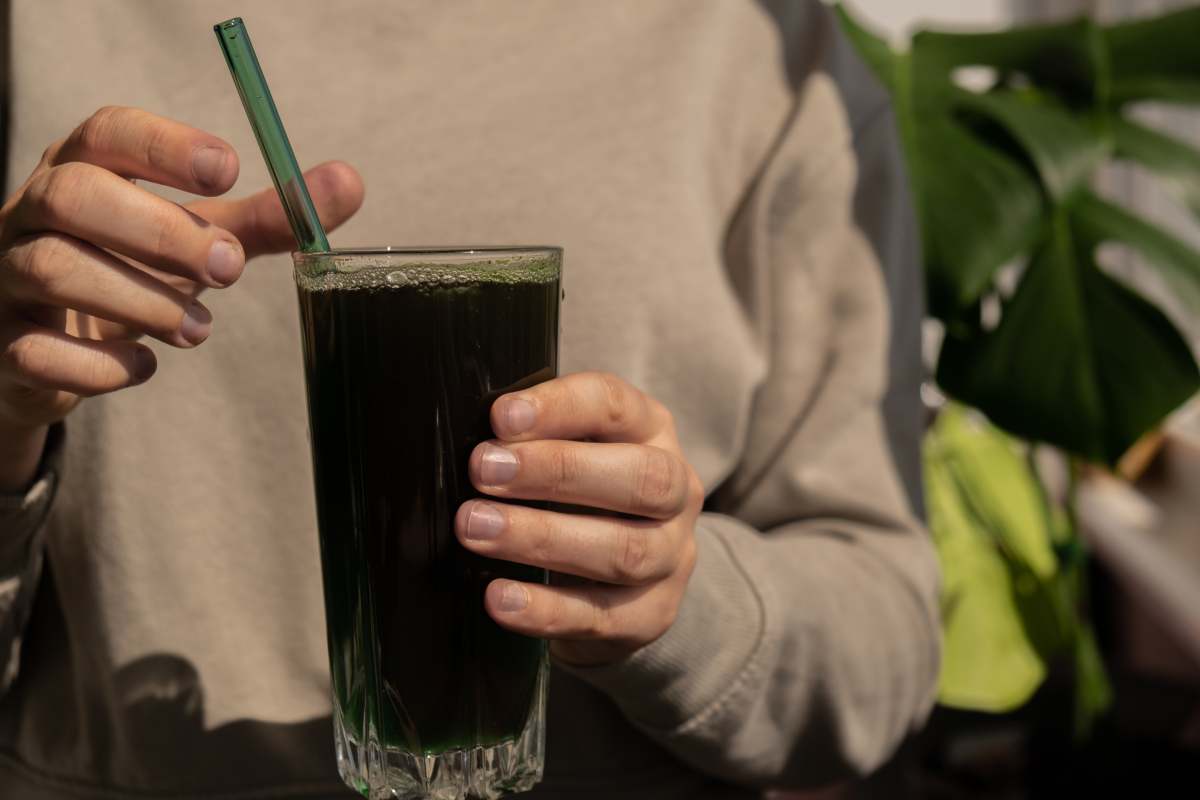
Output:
(342, 273)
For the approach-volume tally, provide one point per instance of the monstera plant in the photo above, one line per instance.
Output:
(1044, 345)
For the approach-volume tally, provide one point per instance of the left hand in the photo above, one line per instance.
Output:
(588, 439)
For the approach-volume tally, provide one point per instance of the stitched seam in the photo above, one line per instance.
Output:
(749, 671)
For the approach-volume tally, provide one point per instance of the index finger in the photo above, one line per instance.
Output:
(137, 144)
(584, 405)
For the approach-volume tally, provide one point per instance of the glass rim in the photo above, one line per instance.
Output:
(437, 253)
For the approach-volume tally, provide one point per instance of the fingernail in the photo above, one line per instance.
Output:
(484, 522)
(196, 324)
(144, 365)
(513, 597)
(497, 466)
(208, 163)
(518, 415)
(225, 262)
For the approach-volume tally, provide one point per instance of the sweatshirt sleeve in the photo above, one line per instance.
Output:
(22, 522)
(807, 646)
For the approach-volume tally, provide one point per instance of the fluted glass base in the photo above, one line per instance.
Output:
(382, 772)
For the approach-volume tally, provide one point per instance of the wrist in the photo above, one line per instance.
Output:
(21, 449)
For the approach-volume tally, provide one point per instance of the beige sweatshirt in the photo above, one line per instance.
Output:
(725, 180)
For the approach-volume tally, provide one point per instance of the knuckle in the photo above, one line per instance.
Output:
(96, 132)
(659, 486)
(156, 148)
(541, 546)
(614, 399)
(164, 234)
(555, 620)
(51, 152)
(39, 261)
(170, 235)
(599, 620)
(631, 563)
(28, 355)
(662, 416)
(565, 468)
(59, 194)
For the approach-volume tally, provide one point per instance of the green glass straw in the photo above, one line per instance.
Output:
(272, 138)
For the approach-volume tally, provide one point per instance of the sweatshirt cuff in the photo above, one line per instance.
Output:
(706, 656)
(22, 514)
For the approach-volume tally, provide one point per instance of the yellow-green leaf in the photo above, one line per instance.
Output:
(988, 661)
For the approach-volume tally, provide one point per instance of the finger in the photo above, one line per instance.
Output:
(93, 204)
(137, 144)
(619, 551)
(41, 358)
(625, 616)
(585, 405)
(630, 478)
(58, 270)
(261, 226)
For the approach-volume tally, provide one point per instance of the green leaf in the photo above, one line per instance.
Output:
(1156, 58)
(995, 481)
(1093, 692)
(980, 210)
(1066, 58)
(1173, 161)
(978, 207)
(1077, 360)
(988, 662)
(1099, 221)
(1065, 149)
(1047, 611)
(1004, 619)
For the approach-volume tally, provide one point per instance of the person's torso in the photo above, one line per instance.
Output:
(182, 650)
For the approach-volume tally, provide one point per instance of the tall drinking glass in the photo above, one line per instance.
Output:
(404, 353)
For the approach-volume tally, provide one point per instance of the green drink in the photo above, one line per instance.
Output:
(404, 354)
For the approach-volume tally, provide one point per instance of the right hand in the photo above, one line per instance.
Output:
(90, 262)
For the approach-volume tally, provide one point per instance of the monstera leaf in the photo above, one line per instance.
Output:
(1174, 162)
(1007, 599)
(1073, 340)
(1003, 176)
(989, 662)
(1154, 59)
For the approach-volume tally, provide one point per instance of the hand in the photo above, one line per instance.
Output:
(90, 262)
(587, 439)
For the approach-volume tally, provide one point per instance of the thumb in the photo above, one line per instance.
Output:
(261, 226)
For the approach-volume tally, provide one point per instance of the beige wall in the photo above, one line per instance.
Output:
(901, 16)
